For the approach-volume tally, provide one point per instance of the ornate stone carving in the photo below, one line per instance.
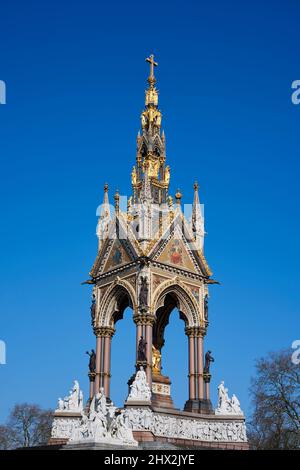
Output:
(107, 305)
(62, 427)
(185, 428)
(73, 402)
(102, 424)
(187, 303)
(161, 389)
(143, 419)
(139, 389)
(227, 406)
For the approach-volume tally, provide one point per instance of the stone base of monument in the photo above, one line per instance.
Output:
(144, 425)
(161, 391)
(136, 403)
(91, 444)
(155, 428)
(203, 406)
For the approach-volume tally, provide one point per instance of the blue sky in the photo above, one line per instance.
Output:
(75, 76)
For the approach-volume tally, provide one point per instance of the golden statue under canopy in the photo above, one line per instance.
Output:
(156, 360)
(133, 175)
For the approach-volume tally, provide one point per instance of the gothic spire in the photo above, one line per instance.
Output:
(151, 152)
(104, 218)
(197, 220)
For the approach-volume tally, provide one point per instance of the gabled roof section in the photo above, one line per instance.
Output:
(176, 247)
(119, 248)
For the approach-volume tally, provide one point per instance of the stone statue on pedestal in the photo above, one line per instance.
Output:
(93, 308)
(101, 424)
(139, 389)
(73, 402)
(206, 307)
(227, 406)
(92, 361)
(143, 297)
(141, 355)
(208, 360)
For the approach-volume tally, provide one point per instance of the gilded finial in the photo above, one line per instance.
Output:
(151, 78)
(117, 200)
(178, 196)
(106, 188)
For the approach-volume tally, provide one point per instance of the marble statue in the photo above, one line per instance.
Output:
(139, 389)
(120, 429)
(235, 405)
(227, 406)
(102, 424)
(73, 402)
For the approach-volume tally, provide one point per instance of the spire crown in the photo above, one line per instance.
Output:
(151, 78)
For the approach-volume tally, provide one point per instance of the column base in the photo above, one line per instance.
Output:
(203, 406)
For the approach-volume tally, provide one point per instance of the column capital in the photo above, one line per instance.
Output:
(92, 376)
(197, 331)
(142, 319)
(104, 331)
(206, 378)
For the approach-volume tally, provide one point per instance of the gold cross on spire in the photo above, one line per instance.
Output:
(152, 65)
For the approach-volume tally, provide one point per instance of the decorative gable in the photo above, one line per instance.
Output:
(117, 256)
(176, 254)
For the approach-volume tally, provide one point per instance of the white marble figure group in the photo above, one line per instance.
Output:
(226, 405)
(73, 402)
(102, 424)
(139, 389)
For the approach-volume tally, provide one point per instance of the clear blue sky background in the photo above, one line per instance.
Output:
(75, 75)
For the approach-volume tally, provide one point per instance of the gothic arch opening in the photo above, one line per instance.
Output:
(172, 353)
(175, 357)
(114, 355)
(122, 355)
(170, 302)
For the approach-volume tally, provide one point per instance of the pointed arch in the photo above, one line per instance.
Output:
(117, 298)
(185, 302)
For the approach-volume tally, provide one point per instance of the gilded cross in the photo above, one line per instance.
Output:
(152, 65)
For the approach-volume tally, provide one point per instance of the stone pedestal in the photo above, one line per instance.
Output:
(203, 406)
(161, 391)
